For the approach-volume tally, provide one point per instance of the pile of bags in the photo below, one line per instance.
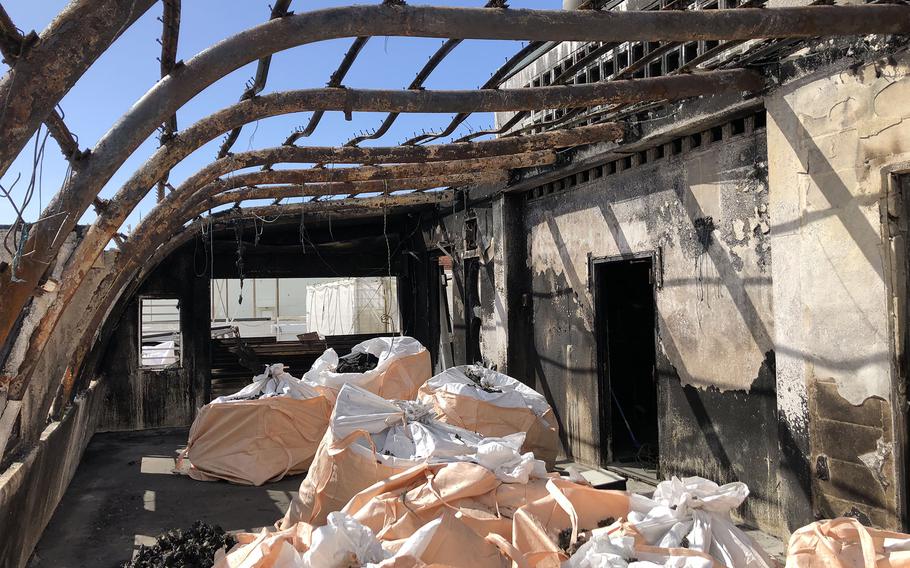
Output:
(371, 439)
(345, 543)
(845, 543)
(407, 472)
(273, 426)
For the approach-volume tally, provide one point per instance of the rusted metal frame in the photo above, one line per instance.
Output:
(371, 173)
(170, 34)
(113, 215)
(12, 44)
(342, 188)
(334, 81)
(168, 95)
(438, 56)
(279, 103)
(149, 252)
(279, 10)
(50, 65)
(499, 154)
(491, 83)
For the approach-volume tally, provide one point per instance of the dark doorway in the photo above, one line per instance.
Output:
(472, 310)
(626, 344)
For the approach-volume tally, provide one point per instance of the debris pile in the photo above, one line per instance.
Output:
(191, 548)
(355, 362)
(453, 474)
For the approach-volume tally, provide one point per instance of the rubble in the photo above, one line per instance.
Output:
(191, 548)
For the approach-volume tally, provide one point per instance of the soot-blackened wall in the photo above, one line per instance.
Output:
(703, 215)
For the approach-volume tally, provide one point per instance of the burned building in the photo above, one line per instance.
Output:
(687, 230)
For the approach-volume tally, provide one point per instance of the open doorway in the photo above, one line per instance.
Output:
(624, 294)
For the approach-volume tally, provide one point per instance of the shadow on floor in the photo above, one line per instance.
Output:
(124, 494)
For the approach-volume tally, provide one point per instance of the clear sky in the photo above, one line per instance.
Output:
(130, 67)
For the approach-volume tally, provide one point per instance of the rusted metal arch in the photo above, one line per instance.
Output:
(112, 215)
(143, 253)
(168, 95)
(49, 66)
(329, 189)
(378, 173)
(101, 232)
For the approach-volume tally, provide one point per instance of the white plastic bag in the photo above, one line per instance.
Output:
(275, 381)
(605, 550)
(341, 543)
(694, 513)
(408, 430)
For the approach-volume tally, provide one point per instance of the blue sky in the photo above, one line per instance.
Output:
(130, 67)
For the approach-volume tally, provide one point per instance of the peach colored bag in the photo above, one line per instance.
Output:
(251, 442)
(404, 365)
(846, 543)
(515, 408)
(397, 507)
(574, 507)
(340, 470)
(443, 542)
(347, 460)
(568, 505)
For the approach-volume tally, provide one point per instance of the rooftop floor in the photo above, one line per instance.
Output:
(124, 494)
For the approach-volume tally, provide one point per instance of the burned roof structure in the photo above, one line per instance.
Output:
(596, 91)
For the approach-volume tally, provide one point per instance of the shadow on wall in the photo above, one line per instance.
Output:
(842, 202)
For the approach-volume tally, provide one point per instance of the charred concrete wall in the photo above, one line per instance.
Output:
(32, 486)
(137, 398)
(836, 137)
(703, 213)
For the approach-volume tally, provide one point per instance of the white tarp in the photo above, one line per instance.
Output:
(694, 513)
(353, 305)
(159, 355)
(275, 381)
(405, 433)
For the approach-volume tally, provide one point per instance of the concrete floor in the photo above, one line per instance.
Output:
(124, 494)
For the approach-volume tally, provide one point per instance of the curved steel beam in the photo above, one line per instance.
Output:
(498, 153)
(168, 215)
(49, 66)
(142, 249)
